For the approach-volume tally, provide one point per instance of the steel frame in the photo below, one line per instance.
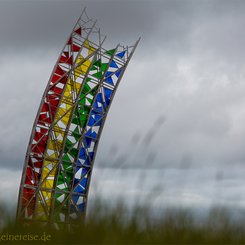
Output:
(67, 129)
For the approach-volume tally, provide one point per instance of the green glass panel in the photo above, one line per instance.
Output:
(60, 208)
(98, 75)
(63, 188)
(83, 123)
(93, 68)
(66, 150)
(68, 143)
(94, 90)
(104, 67)
(69, 171)
(76, 133)
(89, 100)
(83, 117)
(61, 179)
(57, 195)
(90, 91)
(97, 62)
(110, 52)
(76, 111)
(68, 180)
(86, 88)
(66, 165)
(84, 113)
(69, 177)
(82, 101)
(73, 152)
(66, 159)
(75, 121)
(75, 117)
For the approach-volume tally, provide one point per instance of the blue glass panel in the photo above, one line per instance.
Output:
(109, 80)
(98, 123)
(118, 73)
(105, 105)
(97, 117)
(82, 153)
(98, 107)
(108, 73)
(76, 181)
(79, 163)
(72, 207)
(107, 93)
(91, 154)
(113, 64)
(97, 120)
(96, 112)
(81, 207)
(75, 198)
(99, 98)
(107, 102)
(78, 189)
(84, 171)
(88, 141)
(89, 132)
(87, 162)
(91, 121)
(93, 135)
(83, 182)
(121, 54)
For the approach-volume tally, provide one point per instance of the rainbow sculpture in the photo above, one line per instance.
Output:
(66, 132)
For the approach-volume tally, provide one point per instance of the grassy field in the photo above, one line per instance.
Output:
(118, 225)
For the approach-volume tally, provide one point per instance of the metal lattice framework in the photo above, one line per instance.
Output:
(61, 152)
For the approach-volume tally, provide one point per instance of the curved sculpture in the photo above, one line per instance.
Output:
(66, 132)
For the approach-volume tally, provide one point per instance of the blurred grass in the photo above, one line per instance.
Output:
(118, 225)
(141, 224)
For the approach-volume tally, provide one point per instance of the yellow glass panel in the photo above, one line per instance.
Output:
(59, 144)
(77, 86)
(41, 207)
(59, 132)
(51, 145)
(51, 158)
(49, 183)
(60, 112)
(58, 129)
(60, 136)
(41, 212)
(65, 119)
(45, 172)
(46, 196)
(82, 69)
(68, 90)
(89, 47)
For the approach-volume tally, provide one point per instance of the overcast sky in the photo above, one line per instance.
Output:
(177, 120)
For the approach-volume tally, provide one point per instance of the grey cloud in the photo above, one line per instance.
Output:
(45, 24)
(36, 24)
(188, 67)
